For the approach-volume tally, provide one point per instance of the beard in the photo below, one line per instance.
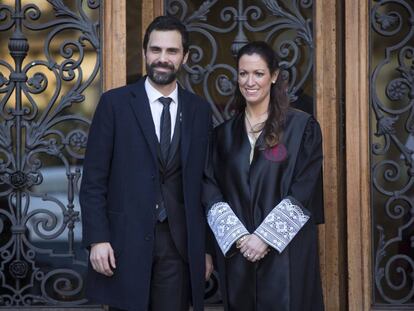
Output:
(162, 78)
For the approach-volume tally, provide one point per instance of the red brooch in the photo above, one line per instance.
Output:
(277, 153)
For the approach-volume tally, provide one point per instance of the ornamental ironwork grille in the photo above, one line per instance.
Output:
(49, 84)
(218, 29)
(392, 152)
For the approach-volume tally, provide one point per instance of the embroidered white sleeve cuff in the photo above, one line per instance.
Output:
(282, 224)
(226, 226)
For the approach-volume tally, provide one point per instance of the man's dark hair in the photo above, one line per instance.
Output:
(166, 23)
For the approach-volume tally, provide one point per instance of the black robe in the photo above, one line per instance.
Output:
(281, 281)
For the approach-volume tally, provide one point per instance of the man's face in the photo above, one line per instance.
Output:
(164, 56)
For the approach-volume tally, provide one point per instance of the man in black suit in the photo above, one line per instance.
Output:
(140, 193)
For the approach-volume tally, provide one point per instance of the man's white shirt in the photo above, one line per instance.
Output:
(156, 106)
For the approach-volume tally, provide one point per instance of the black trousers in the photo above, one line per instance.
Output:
(170, 281)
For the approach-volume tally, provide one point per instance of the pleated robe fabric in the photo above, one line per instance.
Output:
(287, 281)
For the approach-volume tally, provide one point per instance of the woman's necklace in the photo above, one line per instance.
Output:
(254, 130)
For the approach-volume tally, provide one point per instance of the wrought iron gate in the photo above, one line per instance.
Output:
(49, 83)
(392, 167)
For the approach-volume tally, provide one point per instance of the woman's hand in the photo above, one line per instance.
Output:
(253, 248)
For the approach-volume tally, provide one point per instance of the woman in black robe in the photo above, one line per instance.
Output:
(263, 194)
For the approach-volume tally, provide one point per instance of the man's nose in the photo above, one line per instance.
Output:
(163, 56)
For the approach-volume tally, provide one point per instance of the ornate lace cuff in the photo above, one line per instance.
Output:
(226, 226)
(282, 224)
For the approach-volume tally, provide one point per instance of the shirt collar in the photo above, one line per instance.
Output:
(153, 94)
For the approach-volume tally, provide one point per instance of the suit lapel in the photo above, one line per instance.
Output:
(142, 111)
(188, 110)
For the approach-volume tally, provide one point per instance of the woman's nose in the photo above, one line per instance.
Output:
(250, 80)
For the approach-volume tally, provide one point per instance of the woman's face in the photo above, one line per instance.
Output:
(255, 79)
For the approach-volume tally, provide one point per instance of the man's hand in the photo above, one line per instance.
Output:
(209, 266)
(253, 248)
(102, 258)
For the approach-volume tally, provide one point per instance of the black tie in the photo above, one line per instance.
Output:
(165, 127)
(165, 141)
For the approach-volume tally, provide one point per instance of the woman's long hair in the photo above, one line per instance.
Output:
(279, 100)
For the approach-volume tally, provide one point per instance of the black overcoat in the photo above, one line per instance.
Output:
(287, 281)
(119, 189)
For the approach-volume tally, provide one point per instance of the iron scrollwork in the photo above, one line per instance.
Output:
(219, 30)
(392, 103)
(30, 136)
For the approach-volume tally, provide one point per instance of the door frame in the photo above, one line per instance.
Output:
(359, 243)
